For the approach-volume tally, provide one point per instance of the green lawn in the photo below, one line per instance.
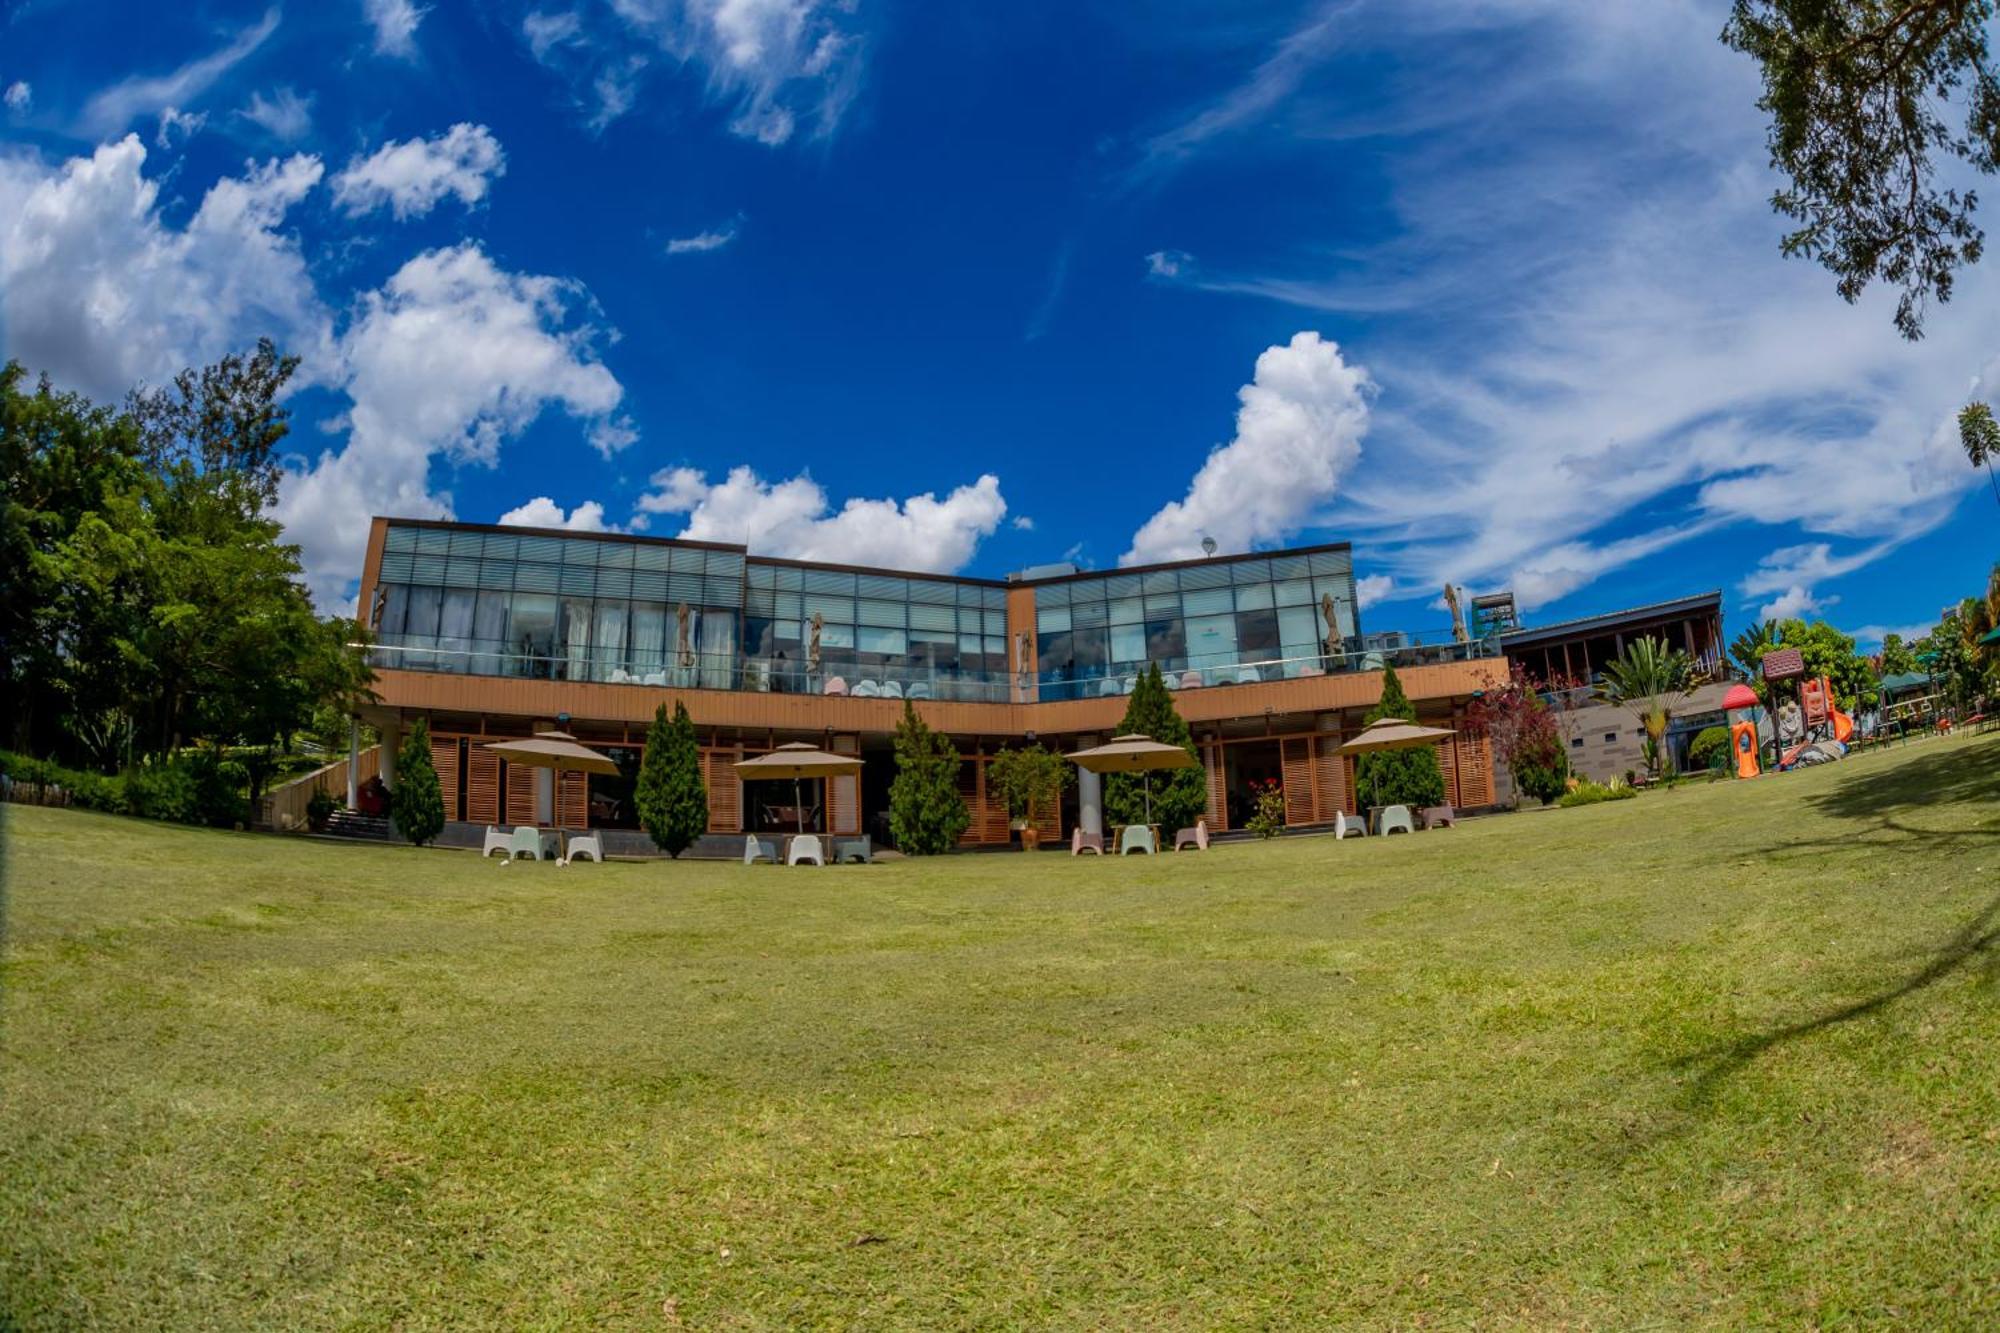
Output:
(1718, 1056)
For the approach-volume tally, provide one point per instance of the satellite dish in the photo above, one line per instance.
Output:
(1208, 546)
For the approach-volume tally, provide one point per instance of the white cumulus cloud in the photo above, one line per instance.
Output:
(411, 177)
(1298, 431)
(99, 291)
(452, 357)
(1794, 603)
(794, 518)
(1371, 589)
(543, 512)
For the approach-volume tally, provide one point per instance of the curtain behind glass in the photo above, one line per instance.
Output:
(576, 637)
(608, 650)
(649, 639)
(716, 646)
(455, 628)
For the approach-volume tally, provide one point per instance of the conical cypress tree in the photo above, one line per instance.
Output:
(925, 812)
(671, 800)
(1398, 777)
(1180, 795)
(416, 803)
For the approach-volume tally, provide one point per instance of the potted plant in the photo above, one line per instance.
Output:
(1030, 780)
(319, 810)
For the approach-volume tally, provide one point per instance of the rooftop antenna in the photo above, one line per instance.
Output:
(1208, 546)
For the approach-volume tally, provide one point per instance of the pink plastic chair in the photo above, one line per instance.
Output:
(835, 685)
(1196, 837)
(1190, 680)
(1081, 842)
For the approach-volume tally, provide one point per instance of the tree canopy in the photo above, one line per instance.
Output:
(926, 814)
(1863, 96)
(1398, 777)
(1179, 795)
(672, 801)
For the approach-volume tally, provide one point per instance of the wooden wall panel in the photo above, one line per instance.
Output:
(1475, 772)
(1331, 776)
(725, 793)
(482, 786)
(444, 758)
(520, 794)
(573, 799)
(1447, 756)
(843, 797)
(1296, 753)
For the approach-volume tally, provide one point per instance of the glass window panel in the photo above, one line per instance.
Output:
(614, 555)
(970, 643)
(434, 540)
(1294, 592)
(996, 622)
(760, 602)
(614, 582)
(1165, 640)
(547, 549)
(933, 634)
(1341, 590)
(1128, 643)
(489, 630)
(427, 569)
(466, 543)
(532, 632)
(971, 594)
(1161, 581)
(1211, 640)
(1052, 594)
(833, 583)
(1250, 571)
(575, 631)
(1128, 611)
(577, 551)
(791, 606)
(932, 617)
(932, 592)
(890, 615)
(760, 576)
(836, 636)
(873, 639)
(687, 559)
(1257, 635)
(608, 639)
(460, 572)
(1289, 567)
(717, 646)
(996, 646)
(579, 579)
(395, 606)
(649, 638)
(1088, 613)
(1298, 630)
(1089, 648)
(1207, 601)
(1050, 619)
(501, 546)
(726, 565)
(831, 608)
(422, 619)
(1205, 576)
(650, 584)
(723, 590)
(882, 588)
(496, 574)
(1123, 585)
(397, 568)
(651, 556)
(994, 599)
(1330, 562)
(400, 539)
(790, 580)
(536, 577)
(1157, 607)
(1052, 655)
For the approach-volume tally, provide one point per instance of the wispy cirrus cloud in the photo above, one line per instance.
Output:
(114, 108)
(703, 242)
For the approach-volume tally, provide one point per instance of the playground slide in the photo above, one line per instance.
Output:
(1843, 726)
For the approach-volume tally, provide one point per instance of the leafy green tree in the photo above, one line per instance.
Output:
(416, 803)
(1710, 748)
(925, 812)
(1030, 779)
(1897, 659)
(1398, 777)
(1858, 92)
(1830, 653)
(1650, 679)
(672, 802)
(1179, 795)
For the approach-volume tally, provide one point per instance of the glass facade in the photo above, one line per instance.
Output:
(1222, 621)
(654, 613)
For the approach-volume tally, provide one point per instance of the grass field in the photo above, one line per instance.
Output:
(1721, 1056)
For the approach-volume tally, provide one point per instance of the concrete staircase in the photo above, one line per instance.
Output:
(367, 828)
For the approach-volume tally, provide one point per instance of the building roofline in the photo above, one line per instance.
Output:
(1611, 620)
(791, 563)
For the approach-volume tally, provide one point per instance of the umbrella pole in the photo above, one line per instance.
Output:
(1148, 779)
(798, 805)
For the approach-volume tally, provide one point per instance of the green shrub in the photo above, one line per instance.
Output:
(161, 788)
(90, 791)
(1269, 821)
(1590, 793)
(925, 812)
(1710, 748)
(671, 800)
(1540, 780)
(416, 802)
(1398, 777)
(319, 810)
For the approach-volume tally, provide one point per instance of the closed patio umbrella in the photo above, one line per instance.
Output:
(1133, 754)
(556, 750)
(1394, 733)
(798, 761)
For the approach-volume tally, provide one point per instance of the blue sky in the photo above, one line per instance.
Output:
(1488, 287)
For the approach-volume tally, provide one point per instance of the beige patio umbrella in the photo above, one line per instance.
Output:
(557, 750)
(1394, 733)
(797, 760)
(1134, 754)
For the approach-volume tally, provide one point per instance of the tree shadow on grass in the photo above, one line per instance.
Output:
(1978, 938)
(1958, 773)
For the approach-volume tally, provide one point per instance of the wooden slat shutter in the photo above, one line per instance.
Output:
(573, 800)
(1049, 825)
(482, 786)
(1296, 752)
(1218, 790)
(1475, 772)
(725, 793)
(1332, 775)
(520, 794)
(1447, 755)
(843, 798)
(444, 758)
(969, 776)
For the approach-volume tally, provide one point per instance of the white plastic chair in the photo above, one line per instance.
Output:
(755, 849)
(804, 848)
(919, 689)
(1348, 826)
(892, 689)
(496, 841)
(1107, 687)
(586, 844)
(867, 689)
(1395, 819)
(1248, 676)
(1136, 838)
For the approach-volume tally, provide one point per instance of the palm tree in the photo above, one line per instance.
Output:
(1750, 646)
(1980, 436)
(1649, 679)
